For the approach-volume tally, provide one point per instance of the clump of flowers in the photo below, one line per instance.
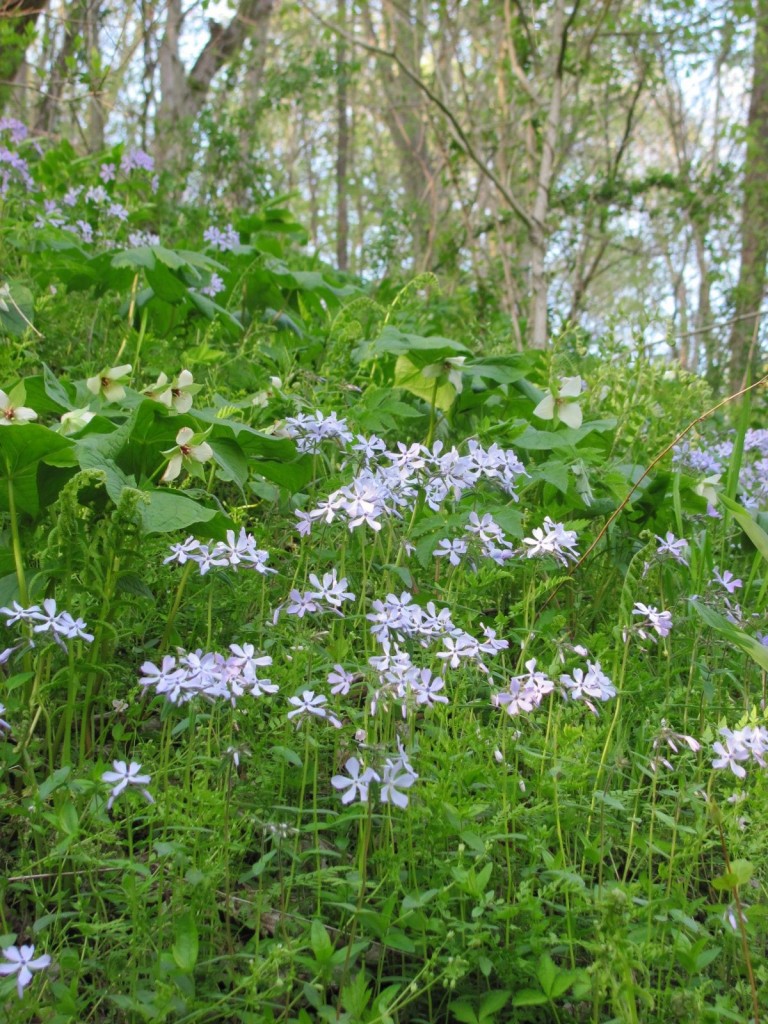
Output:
(235, 553)
(552, 539)
(739, 746)
(45, 618)
(176, 394)
(652, 621)
(186, 675)
(396, 776)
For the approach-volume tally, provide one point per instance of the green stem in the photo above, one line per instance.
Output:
(18, 561)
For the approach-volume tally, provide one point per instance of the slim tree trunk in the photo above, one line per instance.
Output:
(342, 143)
(183, 95)
(744, 353)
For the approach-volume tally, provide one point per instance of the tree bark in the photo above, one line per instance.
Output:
(342, 144)
(22, 16)
(183, 95)
(748, 296)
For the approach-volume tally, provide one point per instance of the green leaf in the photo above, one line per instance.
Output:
(554, 472)
(320, 941)
(420, 350)
(228, 455)
(140, 257)
(69, 822)
(23, 447)
(463, 1011)
(740, 873)
(185, 946)
(53, 782)
(499, 369)
(493, 1002)
(257, 869)
(755, 532)
(397, 939)
(738, 637)
(356, 995)
(166, 511)
(166, 285)
(17, 309)
(409, 377)
(548, 440)
(546, 972)
(528, 997)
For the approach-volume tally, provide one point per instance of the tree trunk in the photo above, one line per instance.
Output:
(405, 117)
(22, 17)
(342, 144)
(183, 95)
(748, 296)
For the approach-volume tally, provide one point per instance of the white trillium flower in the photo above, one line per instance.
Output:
(12, 413)
(176, 394)
(106, 383)
(189, 447)
(564, 406)
(77, 419)
(708, 488)
(449, 368)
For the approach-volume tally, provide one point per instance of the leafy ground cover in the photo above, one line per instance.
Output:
(354, 669)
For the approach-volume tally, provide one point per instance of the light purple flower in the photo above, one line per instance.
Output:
(19, 961)
(123, 776)
(672, 547)
(727, 580)
(398, 775)
(311, 703)
(356, 785)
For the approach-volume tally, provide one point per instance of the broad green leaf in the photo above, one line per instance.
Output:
(185, 944)
(53, 782)
(22, 448)
(167, 511)
(228, 455)
(493, 1002)
(320, 941)
(422, 351)
(397, 939)
(409, 377)
(293, 475)
(169, 257)
(166, 285)
(546, 972)
(740, 873)
(554, 472)
(499, 369)
(141, 257)
(547, 440)
(463, 1011)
